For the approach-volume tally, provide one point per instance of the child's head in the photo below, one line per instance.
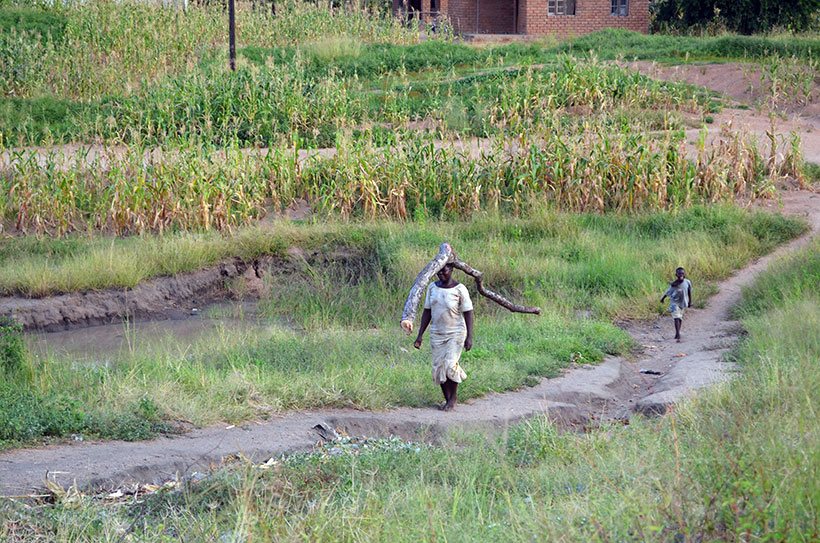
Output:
(680, 273)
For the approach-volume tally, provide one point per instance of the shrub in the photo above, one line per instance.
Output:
(13, 352)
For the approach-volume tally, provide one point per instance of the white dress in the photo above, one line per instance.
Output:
(447, 330)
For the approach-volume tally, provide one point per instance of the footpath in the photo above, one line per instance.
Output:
(662, 373)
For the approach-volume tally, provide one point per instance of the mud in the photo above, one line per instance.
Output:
(163, 297)
(108, 344)
(583, 397)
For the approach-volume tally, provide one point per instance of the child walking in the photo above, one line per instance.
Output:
(680, 297)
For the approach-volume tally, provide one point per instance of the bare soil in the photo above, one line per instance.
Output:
(662, 373)
(747, 84)
(752, 112)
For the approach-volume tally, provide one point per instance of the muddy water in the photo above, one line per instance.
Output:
(181, 333)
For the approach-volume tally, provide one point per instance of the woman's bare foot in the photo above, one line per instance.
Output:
(448, 407)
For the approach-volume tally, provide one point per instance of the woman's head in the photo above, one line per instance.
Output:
(445, 273)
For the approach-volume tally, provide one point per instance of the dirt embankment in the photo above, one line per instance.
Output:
(662, 373)
(162, 297)
(747, 84)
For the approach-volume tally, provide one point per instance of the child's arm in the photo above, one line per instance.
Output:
(689, 288)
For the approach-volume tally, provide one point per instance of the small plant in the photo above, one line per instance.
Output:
(14, 357)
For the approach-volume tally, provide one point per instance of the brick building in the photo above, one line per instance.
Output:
(562, 18)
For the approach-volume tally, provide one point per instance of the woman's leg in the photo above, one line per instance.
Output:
(677, 328)
(452, 394)
(446, 391)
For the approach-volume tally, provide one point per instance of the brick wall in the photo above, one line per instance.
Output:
(498, 16)
(461, 14)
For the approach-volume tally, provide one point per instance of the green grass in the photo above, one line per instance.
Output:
(315, 87)
(812, 174)
(334, 340)
(41, 22)
(615, 43)
(39, 120)
(736, 463)
(315, 104)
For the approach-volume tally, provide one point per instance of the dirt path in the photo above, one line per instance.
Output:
(745, 83)
(584, 395)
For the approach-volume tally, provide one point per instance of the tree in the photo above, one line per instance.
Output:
(744, 16)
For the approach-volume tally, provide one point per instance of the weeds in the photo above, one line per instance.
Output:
(733, 463)
(14, 357)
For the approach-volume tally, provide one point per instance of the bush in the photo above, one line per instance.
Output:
(13, 352)
(744, 16)
(26, 414)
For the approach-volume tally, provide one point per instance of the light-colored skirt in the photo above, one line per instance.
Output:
(446, 356)
(676, 312)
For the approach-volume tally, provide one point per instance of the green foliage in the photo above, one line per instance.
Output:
(13, 352)
(791, 281)
(28, 415)
(812, 174)
(42, 120)
(42, 22)
(744, 16)
(373, 60)
(615, 43)
(734, 461)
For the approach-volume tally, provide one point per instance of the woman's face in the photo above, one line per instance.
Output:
(445, 273)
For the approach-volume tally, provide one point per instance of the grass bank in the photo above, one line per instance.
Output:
(737, 463)
(334, 339)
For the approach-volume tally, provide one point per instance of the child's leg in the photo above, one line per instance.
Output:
(446, 391)
(677, 328)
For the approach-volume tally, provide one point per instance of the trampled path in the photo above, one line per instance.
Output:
(584, 395)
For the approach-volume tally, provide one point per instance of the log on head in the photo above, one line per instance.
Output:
(445, 255)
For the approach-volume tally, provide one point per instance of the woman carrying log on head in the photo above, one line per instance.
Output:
(448, 308)
(448, 311)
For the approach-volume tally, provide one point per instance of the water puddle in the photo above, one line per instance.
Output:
(183, 332)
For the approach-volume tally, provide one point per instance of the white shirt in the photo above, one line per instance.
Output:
(447, 306)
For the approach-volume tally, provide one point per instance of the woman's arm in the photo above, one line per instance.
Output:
(468, 320)
(426, 315)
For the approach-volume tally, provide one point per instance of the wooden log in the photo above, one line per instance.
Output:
(445, 256)
(492, 295)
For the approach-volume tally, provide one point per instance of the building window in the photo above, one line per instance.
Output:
(620, 8)
(561, 7)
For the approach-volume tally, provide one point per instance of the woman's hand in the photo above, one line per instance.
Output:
(417, 343)
(468, 343)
